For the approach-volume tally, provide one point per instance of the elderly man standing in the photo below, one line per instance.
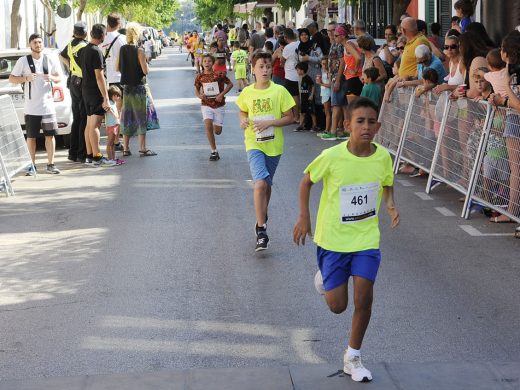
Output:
(414, 38)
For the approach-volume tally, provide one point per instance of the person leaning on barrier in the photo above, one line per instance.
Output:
(425, 59)
(70, 56)
(37, 72)
(510, 52)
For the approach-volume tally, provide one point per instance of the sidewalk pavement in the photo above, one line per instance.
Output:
(387, 376)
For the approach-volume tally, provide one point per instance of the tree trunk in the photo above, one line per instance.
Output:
(81, 9)
(398, 8)
(323, 7)
(16, 22)
(51, 24)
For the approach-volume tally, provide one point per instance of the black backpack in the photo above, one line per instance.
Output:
(33, 68)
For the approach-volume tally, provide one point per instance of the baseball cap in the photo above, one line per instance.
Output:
(80, 28)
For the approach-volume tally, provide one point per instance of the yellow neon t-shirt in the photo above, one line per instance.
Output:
(269, 103)
(198, 49)
(408, 66)
(240, 58)
(347, 218)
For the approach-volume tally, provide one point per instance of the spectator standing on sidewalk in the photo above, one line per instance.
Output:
(70, 55)
(37, 72)
(95, 95)
(414, 38)
(289, 60)
(110, 48)
(133, 67)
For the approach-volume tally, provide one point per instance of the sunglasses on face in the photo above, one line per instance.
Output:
(400, 48)
(452, 47)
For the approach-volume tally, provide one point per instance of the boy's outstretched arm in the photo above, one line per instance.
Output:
(388, 197)
(302, 228)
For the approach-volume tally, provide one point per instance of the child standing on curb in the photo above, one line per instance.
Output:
(264, 108)
(356, 175)
(210, 89)
(112, 121)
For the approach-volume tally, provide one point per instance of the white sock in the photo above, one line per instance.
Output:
(351, 352)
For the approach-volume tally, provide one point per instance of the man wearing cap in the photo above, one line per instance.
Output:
(70, 56)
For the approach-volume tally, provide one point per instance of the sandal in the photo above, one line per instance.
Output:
(127, 153)
(498, 220)
(147, 152)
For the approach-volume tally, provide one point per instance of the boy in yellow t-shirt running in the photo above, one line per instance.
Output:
(264, 108)
(357, 175)
(239, 61)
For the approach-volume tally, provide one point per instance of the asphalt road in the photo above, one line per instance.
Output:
(152, 264)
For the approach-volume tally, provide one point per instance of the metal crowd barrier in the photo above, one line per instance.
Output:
(471, 146)
(14, 154)
(393, 117)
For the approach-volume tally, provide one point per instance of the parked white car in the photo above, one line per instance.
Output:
(60, 91)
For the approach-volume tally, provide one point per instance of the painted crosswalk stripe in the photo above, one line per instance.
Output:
(446, 212)
(476, 233)
(423, 195)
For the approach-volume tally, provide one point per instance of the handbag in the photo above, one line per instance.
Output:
(152, 121)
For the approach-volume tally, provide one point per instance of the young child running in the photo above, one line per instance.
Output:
(112, 121)
(210, 88)
(264, 108)
(356, 175)
(239, 60)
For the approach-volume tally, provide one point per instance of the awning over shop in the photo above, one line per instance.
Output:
(249, 7)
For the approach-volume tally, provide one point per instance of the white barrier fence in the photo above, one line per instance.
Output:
(471, 146)
(14, 154)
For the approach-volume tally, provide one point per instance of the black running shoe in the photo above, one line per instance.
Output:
(262, 241)
(214, 156)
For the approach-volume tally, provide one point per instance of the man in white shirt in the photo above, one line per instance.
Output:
(37, 72)
(110, 48)
(289, 61)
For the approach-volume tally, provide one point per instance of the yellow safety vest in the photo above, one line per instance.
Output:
(72, 52)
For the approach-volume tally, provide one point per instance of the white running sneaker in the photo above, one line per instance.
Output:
(352, 366)
(318, 283)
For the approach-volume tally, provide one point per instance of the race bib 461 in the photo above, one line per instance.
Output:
(358, 202)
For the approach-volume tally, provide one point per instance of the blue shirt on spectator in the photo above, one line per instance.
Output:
(437, 65)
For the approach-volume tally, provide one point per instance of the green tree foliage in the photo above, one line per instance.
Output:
(154, 13)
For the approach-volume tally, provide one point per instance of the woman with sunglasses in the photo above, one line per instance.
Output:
(456, 73)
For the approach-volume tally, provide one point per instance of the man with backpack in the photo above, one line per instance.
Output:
(70, 56)
(37, 72)
(110, 49)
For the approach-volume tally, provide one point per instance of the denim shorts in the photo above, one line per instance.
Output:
(262, 166)
(338, 99)
(336, 267)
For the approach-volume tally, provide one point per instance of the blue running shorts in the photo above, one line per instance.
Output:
(336, 267)
(262, 166)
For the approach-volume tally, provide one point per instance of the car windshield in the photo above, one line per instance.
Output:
(6, 66)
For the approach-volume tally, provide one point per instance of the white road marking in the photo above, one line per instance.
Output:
(405, 183)
(423, 195)
(476, 233)
(446, 212)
